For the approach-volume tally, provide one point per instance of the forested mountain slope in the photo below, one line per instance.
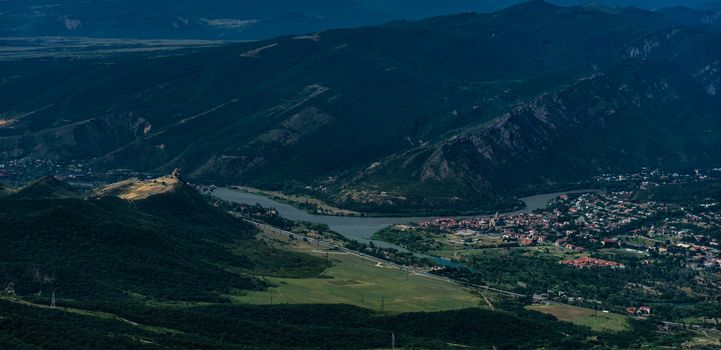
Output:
(170, 245)
(457, 112)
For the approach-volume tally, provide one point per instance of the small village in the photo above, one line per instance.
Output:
(589, 222)
(653, 177)
(596, 230)
(20, 171)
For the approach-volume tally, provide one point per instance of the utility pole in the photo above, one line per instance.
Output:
(383, 304)
(595, 304)
(52, 301)
(393, 340)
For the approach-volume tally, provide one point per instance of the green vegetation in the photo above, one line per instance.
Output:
(594, 319)
(303, 115)
(276, 327)
(171, 271)
(355, 281)
(411, 239)
(447, 115)
(514, 269)
(304, 202)
(46, 188)
(5, 189)
(693, 193)
(172, 246)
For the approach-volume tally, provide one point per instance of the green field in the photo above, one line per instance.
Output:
(352, 280)
(602, 322)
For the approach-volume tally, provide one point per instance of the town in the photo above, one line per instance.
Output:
(655, 240)
(590, 222)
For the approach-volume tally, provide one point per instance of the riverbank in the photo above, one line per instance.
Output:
(360, 229)
(310, 204)
(316, 206)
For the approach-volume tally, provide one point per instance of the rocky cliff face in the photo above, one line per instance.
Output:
(638, 114)
(71, 140)
(456, 112)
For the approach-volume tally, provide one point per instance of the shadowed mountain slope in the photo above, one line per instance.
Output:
(364, 117)
(166, 246)
(48, 187)
(5, 190)
(638, 114)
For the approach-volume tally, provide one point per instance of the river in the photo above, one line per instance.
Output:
(359, 228)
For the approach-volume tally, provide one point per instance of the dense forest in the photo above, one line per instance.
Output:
(294, 327)
(173, 246)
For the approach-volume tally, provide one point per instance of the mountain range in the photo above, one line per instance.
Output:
(450, 114)
(243, 20)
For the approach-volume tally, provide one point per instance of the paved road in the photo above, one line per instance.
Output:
(415, 271)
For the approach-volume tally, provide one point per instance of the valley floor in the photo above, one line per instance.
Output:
(598, 321)
(357, 281)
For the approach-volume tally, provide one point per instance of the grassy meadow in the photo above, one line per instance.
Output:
(601, 322)
(353, 280)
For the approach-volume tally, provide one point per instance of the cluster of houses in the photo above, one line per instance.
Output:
(641, 311)
(647, 178)
(581, 223)
(29, 169)
(567, 221)
(476, 224)
(19, 171)
(604, 211)
(682, 237)
(585, 262)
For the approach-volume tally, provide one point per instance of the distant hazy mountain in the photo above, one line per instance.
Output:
(705, 16)
(645, 4)
(711, 6)
(236, 20)
(410, 9)
(214, 19)
(450, 113)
